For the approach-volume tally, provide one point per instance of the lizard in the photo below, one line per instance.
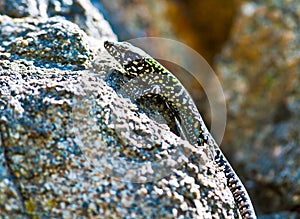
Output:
(155, 78)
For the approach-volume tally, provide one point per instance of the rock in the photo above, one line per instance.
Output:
(72, 147)
(54, 41)
(53, 120)
(80, 12)
(260, 72)
(19, 8)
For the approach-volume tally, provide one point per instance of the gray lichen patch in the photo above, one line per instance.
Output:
(54, 41)
(77, 149)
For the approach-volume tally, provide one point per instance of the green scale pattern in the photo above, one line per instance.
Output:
(150, 77)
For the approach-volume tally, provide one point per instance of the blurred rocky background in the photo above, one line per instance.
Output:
(254, 47)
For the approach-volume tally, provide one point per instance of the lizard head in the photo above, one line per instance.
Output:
(134, 60)
(130, 57)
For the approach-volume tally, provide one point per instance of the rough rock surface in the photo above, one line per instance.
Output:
(260, 69)
(71, 147)
(80, 12)
(63, 153)
(51, 40)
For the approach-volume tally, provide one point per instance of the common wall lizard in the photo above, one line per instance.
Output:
(158, 80)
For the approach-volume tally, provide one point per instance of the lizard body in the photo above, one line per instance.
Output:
(148, 76)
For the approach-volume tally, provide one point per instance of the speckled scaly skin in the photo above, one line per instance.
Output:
(153, 78)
